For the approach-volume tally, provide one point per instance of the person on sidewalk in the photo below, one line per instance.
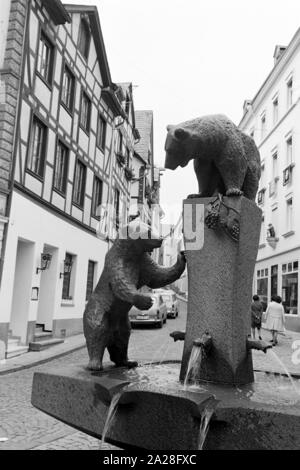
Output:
(275, 319)
(256, 316)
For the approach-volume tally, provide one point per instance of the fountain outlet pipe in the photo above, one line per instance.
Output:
(258, 344)
(178, 335)
(205, 342)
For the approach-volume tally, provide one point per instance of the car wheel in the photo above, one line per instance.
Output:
(160, 324)
(165, 320)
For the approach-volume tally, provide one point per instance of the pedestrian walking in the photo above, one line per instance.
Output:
(256, 316)
(275, 319)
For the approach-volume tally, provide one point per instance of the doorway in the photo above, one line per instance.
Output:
(22, 289)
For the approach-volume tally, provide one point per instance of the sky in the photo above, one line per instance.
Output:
(190, 58)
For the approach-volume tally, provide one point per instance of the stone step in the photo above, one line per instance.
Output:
(41, 335)
(11, 342)
(15, 351)
(39, 329)
(44, 344)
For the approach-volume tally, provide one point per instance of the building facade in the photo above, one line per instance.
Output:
(64, 124)
(272, 118)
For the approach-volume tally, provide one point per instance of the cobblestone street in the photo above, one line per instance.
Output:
(28, 428)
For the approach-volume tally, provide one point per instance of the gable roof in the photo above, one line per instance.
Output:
(109, 88)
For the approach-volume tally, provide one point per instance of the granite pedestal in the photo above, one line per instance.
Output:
(220, 273)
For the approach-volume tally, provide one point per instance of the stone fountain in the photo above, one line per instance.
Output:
(221, 232)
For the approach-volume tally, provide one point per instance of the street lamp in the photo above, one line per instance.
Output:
(67, 267)
(45, 262)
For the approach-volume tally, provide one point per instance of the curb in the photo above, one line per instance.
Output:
(40, 361)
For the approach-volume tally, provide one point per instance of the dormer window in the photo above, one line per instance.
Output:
(84, 38)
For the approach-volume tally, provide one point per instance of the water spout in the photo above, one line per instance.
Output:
(258, 344)
(178, 335)
(205, 342)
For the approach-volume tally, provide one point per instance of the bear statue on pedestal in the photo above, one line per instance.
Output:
(128, 266)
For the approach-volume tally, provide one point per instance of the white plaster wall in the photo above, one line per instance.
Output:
(33, 31)
(42, 92)
(35, 224)
(4, 19)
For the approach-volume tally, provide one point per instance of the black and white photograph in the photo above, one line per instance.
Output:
(149, 228)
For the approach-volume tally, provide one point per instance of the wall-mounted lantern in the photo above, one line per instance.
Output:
(67, 267)
(45, 262)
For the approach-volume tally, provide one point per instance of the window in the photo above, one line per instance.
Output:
(127, 157)
(289, 150)
(262, 286)
(290, 287)
(289, 214)
(101, 132)
(262, 175)
(66, 294)
(85, 116)
(37, 147)
(45, 59)
(127, 104)
(274, 219)
(68, 88)
(289, 92)
(97, 196)
(117, 208)
(90, 279)
(263, 126)
(84, 39)
(262, 231)
(61, 168)
(79, 183)
(274, 165)
(275, 110)
(120, 146)
(274, 280)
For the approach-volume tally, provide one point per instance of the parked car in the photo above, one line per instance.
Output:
(156, 315)
(169, 297)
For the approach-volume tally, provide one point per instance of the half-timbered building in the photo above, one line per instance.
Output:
(70, 126)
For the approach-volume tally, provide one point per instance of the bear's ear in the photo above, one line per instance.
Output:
(169, 127)
(181, 134)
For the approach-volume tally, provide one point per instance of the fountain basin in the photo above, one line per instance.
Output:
(155, 412)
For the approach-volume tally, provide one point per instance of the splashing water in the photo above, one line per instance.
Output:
(204, 425)
(110, 417)
(279, 361)
(193, 366)
(161, 350)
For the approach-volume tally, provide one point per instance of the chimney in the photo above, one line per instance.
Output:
(279, 50)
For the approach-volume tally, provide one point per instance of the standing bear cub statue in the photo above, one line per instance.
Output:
(128, 266)
(226, 160)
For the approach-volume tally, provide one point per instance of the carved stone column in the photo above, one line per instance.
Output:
(220, 273)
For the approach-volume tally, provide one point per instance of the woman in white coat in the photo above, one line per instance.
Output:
(275, 319)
